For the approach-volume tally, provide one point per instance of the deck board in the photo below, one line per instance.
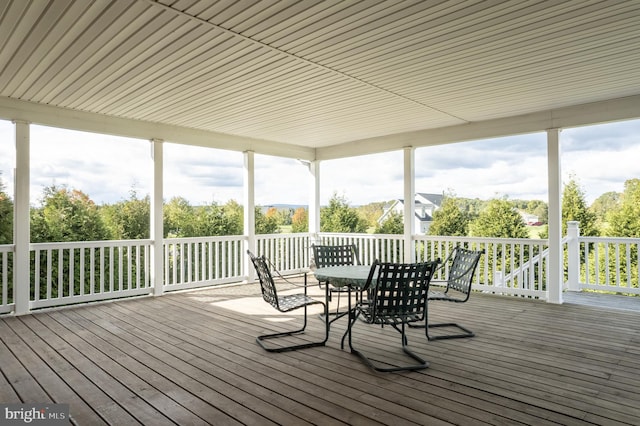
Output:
(191, 358)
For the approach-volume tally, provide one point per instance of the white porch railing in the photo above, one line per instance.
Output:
(78, 272)
(289, 253)
(203, 261)
(385, 248)
(601, 263)
(510, 266)
(609, 264)
(6, 278)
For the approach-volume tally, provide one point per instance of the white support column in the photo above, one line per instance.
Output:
(409, 203)
(21, 225)
(314, 200)
(249, 211)
(156, 231)
(555, 275)
(573, 251)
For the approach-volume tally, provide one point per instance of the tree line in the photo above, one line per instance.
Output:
(612, 214)
(65, 214)
(70, 215)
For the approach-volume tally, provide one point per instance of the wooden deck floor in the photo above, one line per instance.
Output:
(191, 358)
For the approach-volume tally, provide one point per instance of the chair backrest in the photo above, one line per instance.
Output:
(369, 287)
(460, 276)
(326, 256)
(401, 291)
(267, 285)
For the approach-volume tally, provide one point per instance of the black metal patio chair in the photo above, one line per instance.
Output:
(400, 298)
(455, 288)
(283, 304)
(335, 255)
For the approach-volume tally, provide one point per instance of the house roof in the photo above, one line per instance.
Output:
(435, 199)
(318, 79)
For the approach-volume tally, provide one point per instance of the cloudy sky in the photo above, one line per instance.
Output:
(108, 168)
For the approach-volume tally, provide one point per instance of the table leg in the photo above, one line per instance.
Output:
(326, 299)
(350, 311)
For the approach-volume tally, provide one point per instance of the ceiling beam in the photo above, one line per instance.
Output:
(12, 109)
(626, 108)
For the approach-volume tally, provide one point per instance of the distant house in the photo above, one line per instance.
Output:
(425, 205)
(529, 219)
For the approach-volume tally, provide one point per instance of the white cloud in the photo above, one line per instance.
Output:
(514, 167)
(105, 167)
(601, 157)
(202, 175)
(363, 179)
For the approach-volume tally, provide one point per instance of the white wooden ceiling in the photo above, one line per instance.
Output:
(308, 76)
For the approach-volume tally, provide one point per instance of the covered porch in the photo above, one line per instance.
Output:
(191, 358)
(315, 81)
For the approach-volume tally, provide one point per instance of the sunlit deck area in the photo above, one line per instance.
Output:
(191, 358)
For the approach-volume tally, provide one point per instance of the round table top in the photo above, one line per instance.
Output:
(353, 275)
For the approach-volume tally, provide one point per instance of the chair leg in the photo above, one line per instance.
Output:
(465, 331)
(260, 339)
(422, 364)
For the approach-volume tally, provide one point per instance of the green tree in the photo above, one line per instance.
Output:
(471, 207)
(450, 219)
(372, 212)
(128, 219)
(339, 217)
(281, 216)
(574, 208)
(6, 216)
(624, 221)
(602, 207)
(266, 223)
(213, 220)
(235, 214)
(499, 220)
(284, 216)
(300, 220)
(66, 215)
(392, 225)
(179, 218)
(6, 237)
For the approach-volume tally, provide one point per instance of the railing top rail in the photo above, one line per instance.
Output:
(526, 241)
(4, 248)
(199, 239)
(620, 240)
(89, 244)
(284, 234)
(361, 236)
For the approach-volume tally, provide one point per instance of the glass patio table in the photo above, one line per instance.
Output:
(353, 276)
